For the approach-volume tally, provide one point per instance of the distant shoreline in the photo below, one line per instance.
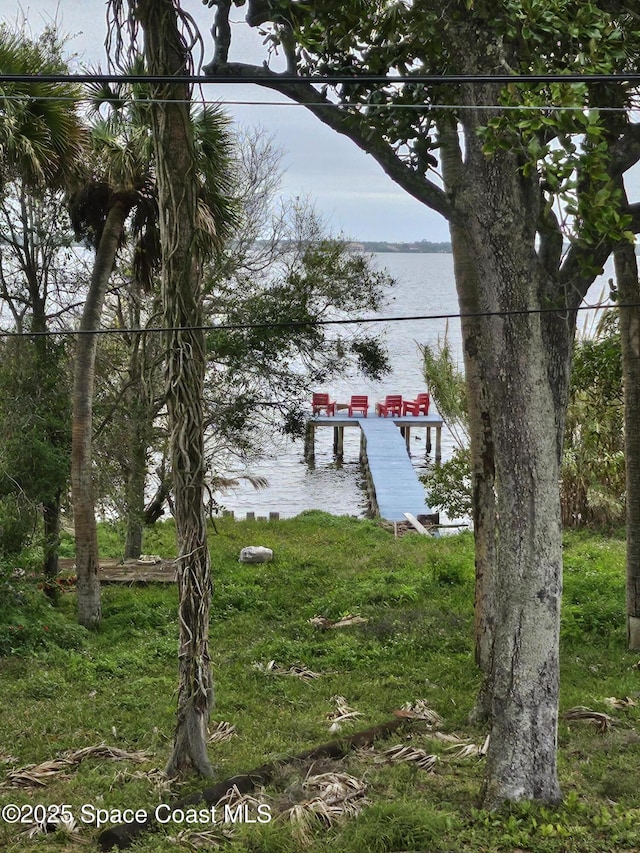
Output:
(418, 247)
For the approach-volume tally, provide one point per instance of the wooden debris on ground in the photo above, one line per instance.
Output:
(602, 721)
(620, 704)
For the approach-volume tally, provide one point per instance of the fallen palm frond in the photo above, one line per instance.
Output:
(334, 796)
(342, 713)
(234, 797)
(469, 750)
(222, 732)
(122, 834)
(453, 740)
(298, 670)
(345, 622)
(198, 839)
(400, 753)
(157, 779)
(113, 753)
(68, 827)
(620, 704)
(419, 710)
(40, 774)
(334, 787)
(602, 721)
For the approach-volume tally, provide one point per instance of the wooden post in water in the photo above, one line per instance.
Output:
(338, 442)
(309, 442)
(438, 443)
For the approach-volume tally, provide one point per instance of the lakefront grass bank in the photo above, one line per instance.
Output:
(286, 684)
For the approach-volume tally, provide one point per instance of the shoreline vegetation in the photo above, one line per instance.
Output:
(382, 246)
(417, 247)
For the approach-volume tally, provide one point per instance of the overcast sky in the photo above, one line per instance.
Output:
(349, 189)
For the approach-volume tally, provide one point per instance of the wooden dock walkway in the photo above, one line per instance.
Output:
(394, 487)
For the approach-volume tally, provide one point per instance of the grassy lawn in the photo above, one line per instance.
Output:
(63, 689)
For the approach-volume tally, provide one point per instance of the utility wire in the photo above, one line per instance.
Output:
(343, 106)
(303, 324)
(329, 80)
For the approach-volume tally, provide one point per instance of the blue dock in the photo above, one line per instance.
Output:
(394, 487)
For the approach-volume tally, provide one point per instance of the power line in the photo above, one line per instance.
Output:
(337, 105)
(327, 80)
(304, 324)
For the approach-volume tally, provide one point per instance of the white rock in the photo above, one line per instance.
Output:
(256, 554)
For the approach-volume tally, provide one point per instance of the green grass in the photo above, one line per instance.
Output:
(63, 688)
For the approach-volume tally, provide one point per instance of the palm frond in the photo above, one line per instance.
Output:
(38, 775)
(420, 710)
(223, 732)
(341, 714)
(401, 753)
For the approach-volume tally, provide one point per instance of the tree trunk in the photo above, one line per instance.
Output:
(482, 452)
(626, 267)
(524, 679)
(518, 407)
(84, 517)
(166, 53)
(51, 536)
(154, 510)
(136, 480)
(139, 419)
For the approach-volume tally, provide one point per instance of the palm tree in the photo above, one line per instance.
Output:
(41, 134)
(121, 180)
(193, 216)
(122, 190)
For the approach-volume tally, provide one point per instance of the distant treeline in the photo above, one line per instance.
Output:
(423, 246)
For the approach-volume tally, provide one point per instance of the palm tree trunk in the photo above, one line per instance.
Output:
(88, 586)
(166, 53)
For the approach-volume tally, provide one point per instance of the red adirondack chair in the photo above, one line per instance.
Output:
(359, 403)
(419, 406)
(392, 405)
(320, 402)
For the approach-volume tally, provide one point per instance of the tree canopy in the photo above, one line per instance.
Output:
(515, 169)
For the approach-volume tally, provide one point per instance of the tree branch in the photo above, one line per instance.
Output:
(349, 125)
(626, 151)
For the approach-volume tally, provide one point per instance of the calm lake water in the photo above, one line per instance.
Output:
(424, 285)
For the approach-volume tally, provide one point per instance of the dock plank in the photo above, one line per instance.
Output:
(392, 478)
(395, 482)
